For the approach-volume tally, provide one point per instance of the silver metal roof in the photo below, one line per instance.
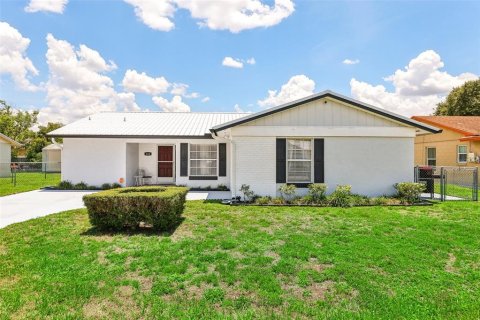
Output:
(146, 124)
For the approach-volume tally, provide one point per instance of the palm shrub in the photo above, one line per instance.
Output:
(287, 191)
(65, 185)
(409, 192)
(317, 192)
(341, 197)
(247, 193)
(159, 207)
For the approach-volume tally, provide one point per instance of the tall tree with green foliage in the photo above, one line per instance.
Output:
(19, 125)
(461, 101)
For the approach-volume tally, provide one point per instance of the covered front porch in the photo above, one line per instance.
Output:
(196, 163)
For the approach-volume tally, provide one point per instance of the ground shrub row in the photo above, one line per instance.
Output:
(408, 193)
(157, 207)
(68, 185)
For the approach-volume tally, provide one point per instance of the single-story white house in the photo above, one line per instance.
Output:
(6, 145)
(324, 138)
(52, 157)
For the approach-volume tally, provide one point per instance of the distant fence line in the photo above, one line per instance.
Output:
(13, 172)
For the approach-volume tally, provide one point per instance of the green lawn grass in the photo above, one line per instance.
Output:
(28, 181)
(456, 191)
(249, 262)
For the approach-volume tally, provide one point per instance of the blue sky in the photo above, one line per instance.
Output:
(311, 41)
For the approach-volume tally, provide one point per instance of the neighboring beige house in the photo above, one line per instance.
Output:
(457, 145)
(6, 145)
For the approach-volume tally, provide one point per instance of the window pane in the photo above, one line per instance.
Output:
(431, 153)
(299, 171)
(462, 157)
(462, 149)
(203, 159)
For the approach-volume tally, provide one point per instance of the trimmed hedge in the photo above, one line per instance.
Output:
(159, 207)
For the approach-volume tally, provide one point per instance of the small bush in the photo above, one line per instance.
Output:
(409, 192)
(65, 185)
(278, 200)
(93, 188)
(159, 207)
(116, 185)
(341, 197)
(106, 186)
(81, 186)
(222, 187)
(380, 201)
(263, 200)
(247, 193)
(287, 191)
(317, 192)
(359, 200)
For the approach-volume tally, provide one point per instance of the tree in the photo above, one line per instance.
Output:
(461, 101)
(19, 125)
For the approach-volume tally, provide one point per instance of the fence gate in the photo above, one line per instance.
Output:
(449, 183)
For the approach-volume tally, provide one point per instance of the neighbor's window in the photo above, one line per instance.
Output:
(431, 157)
(462, 154)
(299, 160)
(203, 159)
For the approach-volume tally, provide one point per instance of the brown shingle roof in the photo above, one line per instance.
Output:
(467, 125)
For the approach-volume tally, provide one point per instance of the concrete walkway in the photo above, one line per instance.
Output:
(33, 204)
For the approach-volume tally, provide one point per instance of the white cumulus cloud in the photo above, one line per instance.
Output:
(175, 105)
(251, 61)
(350, 61)
(180, 89)
(126, 102)
(157, 15)
(297, 87)
(417, 88)
(77, 84)
(232, 63)
(56, 6)
(13, 58)
(232, 15)
(237, 15)
(206, 99)
(142, 83)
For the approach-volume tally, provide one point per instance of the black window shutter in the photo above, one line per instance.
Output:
(222, 157)
(183, 159)
(281, 160)
(318, 161)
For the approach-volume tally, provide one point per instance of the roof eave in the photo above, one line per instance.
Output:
(59, 135)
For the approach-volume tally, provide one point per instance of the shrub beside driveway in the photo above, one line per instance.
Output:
(249, 262)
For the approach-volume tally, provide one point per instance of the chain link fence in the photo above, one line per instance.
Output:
(29, 174)
(448, 183)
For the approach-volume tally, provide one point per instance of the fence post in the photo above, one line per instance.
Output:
(15, 176)
(475, 184)
(442, 184)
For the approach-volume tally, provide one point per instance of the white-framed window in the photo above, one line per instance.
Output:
(203, 159)
(431, 156)
(299, 160)
(462, 154)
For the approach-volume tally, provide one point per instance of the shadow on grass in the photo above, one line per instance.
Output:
(145, 231)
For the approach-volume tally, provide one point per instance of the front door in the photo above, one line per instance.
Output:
(165, 164)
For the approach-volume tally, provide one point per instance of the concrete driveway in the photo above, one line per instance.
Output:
(29, 205)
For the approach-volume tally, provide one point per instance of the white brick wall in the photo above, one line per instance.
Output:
(371, 165)
(255, 164)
